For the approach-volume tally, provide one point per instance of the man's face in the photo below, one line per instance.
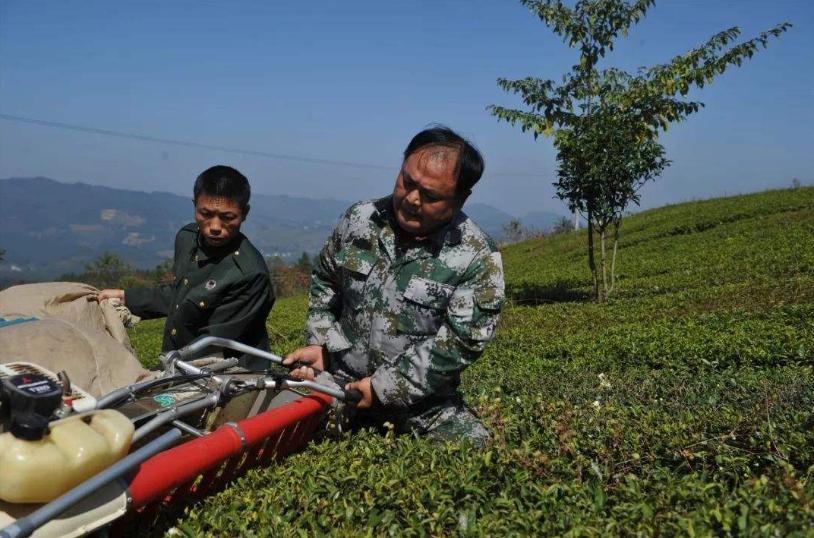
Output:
(218, 218)
(424, 197)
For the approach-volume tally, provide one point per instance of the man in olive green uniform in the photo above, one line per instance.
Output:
(222, 286)
(407, 293)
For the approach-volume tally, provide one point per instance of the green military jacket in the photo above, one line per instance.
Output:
(216, 292)
(410, 314)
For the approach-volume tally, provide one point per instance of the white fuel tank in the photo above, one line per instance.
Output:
(75, 449)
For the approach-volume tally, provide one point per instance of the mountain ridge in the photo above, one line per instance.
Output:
(51, 227)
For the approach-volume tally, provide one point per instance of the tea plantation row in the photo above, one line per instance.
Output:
(685, 406)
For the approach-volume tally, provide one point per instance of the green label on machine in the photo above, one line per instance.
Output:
(164, 400)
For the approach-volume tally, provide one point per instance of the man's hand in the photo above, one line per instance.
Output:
(110, 294)
(363, 386)
(312, 356)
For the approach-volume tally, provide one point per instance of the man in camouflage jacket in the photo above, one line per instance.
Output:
(407, 293)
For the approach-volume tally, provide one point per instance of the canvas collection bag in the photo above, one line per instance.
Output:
(71, 332)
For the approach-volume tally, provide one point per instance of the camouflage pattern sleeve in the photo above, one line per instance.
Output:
(432, 367)
(325, 299)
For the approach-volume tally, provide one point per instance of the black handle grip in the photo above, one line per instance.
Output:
(353, 396)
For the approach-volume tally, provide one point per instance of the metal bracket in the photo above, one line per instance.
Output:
(240, 434)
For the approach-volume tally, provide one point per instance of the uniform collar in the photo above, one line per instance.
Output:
(203, 253)
(449, 234)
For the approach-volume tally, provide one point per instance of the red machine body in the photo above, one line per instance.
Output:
(207, 464)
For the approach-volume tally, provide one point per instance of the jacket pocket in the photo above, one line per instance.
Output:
(197, 306)
(423, 306)
(356, 265)
(489, 304)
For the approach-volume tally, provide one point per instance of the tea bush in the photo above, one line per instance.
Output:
(684, 406)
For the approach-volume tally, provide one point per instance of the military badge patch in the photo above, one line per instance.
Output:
(210, 284)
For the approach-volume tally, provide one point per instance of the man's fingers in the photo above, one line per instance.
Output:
(306, 355)
(106, 294)
(294, 356)
(362, 387)
(303, 372)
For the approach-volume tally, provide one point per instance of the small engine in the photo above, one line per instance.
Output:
(28, 391)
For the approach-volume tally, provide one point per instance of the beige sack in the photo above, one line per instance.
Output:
(74, 333)
(68, 301)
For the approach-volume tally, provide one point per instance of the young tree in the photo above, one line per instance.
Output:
(601, 167)
(563, 225)
(304, 263)
(276, 266)
(513, 231)
(106, 270)
(606, 123)
(162, 273)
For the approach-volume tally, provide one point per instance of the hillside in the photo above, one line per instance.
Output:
(683, 407)
(50, 227)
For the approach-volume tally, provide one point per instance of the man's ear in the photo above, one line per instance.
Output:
(246, 211)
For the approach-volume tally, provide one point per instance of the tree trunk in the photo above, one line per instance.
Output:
(591, 260)
(616, 224)
(602, 260)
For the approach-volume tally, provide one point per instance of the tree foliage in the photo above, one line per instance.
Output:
(163, 272)
(107, 270)
(606, 122)
(513, 231)
(563, 225)
(288, 280)
(304, 263)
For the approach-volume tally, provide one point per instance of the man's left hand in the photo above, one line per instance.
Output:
(110, 294)
(363, 386)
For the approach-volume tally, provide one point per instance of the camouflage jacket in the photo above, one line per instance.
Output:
(410, 314)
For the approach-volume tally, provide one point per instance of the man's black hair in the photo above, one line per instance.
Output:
(226, 182)
(469, 167)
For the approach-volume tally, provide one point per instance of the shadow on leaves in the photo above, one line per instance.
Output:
(561, 291)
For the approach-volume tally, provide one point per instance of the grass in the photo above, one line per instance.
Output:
(684, 406)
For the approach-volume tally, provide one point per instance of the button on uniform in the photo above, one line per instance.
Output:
(173, 332)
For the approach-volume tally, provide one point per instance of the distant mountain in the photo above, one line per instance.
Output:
(48, 228)
(540, 220)
(490, 219)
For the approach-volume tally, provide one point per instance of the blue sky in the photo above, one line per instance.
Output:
(353, 81)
